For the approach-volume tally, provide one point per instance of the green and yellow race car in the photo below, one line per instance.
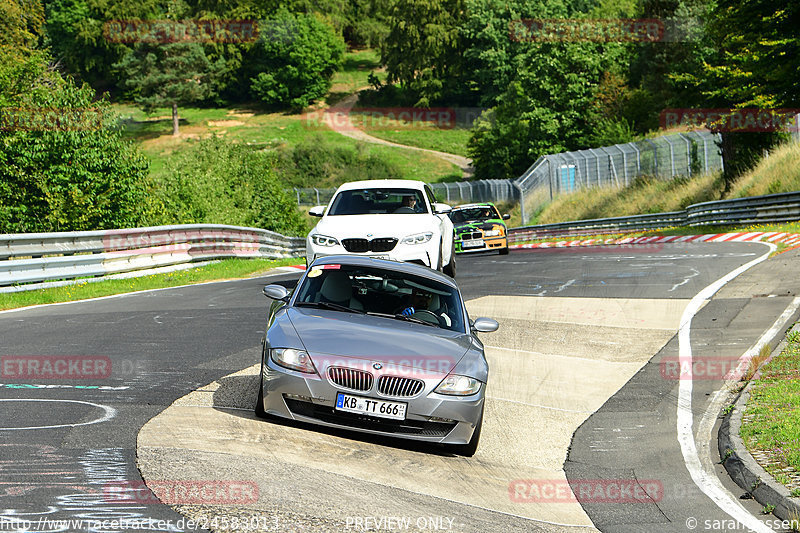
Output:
(479, 228)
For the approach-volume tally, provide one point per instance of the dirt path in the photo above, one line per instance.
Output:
(337, 117)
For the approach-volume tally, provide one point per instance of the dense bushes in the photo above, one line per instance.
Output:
(316, 163)
(294, 59)
(64, 164)
(215, 181)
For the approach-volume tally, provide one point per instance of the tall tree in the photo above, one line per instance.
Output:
(423, 51)
(294, 60)
(170, 75)
(22, 22)
(756, 64)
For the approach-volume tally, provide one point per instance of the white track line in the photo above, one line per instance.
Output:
(705, 481)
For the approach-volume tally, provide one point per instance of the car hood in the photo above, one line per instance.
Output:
(478, 224)
(333, 335)
(377, 226)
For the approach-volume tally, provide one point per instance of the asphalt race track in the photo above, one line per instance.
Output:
(580, 393)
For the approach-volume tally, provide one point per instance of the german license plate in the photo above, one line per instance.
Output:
(472, 243)
(371, 406)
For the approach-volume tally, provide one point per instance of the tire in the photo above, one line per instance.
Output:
(450, 268)
(504, 251)
(259, 409)
(469, 449)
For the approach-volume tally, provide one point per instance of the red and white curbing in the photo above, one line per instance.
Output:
(788, 239)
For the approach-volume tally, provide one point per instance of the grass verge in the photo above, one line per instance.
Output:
(771, 422)
(83, 290)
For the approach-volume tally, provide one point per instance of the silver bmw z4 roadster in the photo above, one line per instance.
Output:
(376, 346)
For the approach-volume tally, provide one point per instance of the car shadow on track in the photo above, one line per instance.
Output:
(236, 396)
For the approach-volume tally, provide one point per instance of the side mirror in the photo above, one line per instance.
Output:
(484, 325)
(441, 209)
(276, 292)
(317, 211)
(506, 216)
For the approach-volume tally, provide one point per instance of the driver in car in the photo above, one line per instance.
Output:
(423, 301)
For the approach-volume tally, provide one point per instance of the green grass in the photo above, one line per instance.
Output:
(271, 131)
(451, 141)
(772, 418)
(222, 270)
(354, 74)
(644, 195)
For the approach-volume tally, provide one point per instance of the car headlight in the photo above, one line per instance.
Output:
(492, 233)
(455, 385)
(293, 359)
(323, 240)
(418, 238)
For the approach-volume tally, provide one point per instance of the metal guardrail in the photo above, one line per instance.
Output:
(38, 257)
(772, 208)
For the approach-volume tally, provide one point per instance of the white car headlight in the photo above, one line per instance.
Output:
(323, 240)
(492, 233)
(293, 359)
(418, 238)
(456, 385)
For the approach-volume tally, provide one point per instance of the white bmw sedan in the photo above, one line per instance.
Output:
(387, 219)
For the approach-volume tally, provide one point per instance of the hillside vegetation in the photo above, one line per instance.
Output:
(780, 172)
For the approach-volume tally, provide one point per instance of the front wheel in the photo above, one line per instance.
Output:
(259, 409)
(450, 268)
(504, 251)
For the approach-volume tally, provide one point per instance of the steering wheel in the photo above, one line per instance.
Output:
(427, 315)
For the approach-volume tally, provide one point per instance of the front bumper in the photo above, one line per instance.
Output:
(491, 243)
(430, 417)
(424, 254)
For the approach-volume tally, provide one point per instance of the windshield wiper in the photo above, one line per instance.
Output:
(329, 305)
(399, 316)
(407, 318)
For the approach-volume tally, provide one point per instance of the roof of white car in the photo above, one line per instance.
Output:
(371, 184)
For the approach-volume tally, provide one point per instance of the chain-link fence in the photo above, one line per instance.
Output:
(680, 154)
(464, 192)
(460, 192)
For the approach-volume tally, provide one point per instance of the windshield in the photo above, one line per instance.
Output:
(473, 213)
(382, 292)
(378, 201)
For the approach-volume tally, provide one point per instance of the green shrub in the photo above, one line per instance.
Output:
(294, 60)
(65, 165)
(218, 182)
(317, 163)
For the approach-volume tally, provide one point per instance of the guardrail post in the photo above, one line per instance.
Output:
(655, 156)
(624, 164)
(521, 202)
